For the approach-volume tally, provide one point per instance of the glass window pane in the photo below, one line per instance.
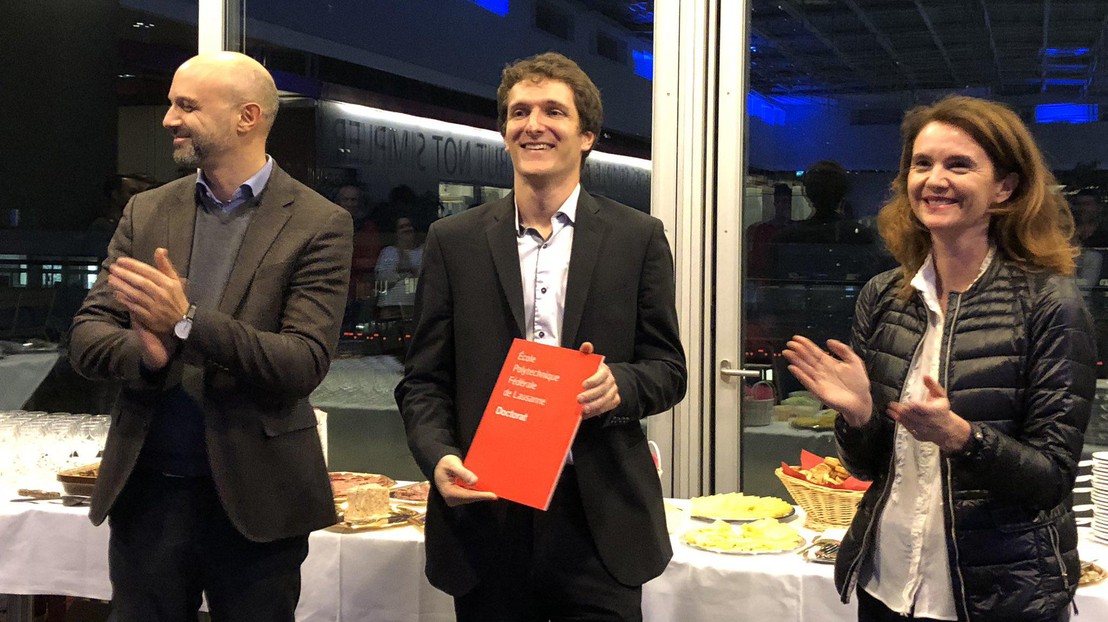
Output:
(829, 85)
(381, 110)
(84, 92)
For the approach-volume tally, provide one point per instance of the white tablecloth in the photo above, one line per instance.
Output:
(46, 548)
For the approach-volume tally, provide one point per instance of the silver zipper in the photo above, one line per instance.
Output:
(1055, 543)
(852, 572)
(949, 478)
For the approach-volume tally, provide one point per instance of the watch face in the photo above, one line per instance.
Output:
(182, 328)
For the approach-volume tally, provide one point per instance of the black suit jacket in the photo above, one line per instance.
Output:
(469, 307)
(251, 363)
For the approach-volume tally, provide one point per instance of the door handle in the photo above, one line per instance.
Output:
(727, 371)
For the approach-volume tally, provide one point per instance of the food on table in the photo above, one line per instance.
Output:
(90, 471)
(821, 420)
(415, 492)
(822, 550)
(828, 472)
(31, 494)
(366, 502)
(79, 480)
(1091, 573)
(343, 481)
(801, 400)
(761, 535)
(737, 506)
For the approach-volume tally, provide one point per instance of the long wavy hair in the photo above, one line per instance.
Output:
(1032, 227)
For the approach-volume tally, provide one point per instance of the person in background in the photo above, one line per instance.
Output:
(826, 184)
(367, 242)
(119, 189)
(1085, 206)
(396, 271)
(552, 264)
(967, 387)
(760, 236)
(213, 473)
(1089, 201)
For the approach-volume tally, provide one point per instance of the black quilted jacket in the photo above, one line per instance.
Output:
(1017, 361)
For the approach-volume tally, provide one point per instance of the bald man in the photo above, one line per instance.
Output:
(218, 308)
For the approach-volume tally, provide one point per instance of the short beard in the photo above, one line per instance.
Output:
(192, 153)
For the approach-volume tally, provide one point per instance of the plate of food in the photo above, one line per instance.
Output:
(1091, 574)
(367, 507)
(822, 421)
(762, 537)
(342, 481)
(735, 507)
(398, 516)
(821, 551)
(79, 481)
(411, 493)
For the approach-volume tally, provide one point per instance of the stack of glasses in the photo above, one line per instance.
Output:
(1100, 496)
(34, 446)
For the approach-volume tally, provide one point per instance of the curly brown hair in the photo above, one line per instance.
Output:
(1033, 227)
(554, 66)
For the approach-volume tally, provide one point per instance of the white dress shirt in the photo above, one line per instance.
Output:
(544, 266)
(909, 570)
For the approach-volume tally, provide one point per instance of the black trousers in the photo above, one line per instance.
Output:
(872, 610)
(171, 541)
(548, 569)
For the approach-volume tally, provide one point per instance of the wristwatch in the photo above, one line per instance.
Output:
(975, 443)
(184, 325)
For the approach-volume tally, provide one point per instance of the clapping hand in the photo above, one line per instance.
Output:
(840, 381)
(931, 420)
(154, 298)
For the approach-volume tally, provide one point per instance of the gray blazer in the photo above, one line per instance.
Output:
(252, 362)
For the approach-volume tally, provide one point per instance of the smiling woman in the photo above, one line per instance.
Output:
(981, 154)
(967, 363)
(952, 184)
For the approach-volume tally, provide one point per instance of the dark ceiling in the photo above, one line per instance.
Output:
(1046, 48)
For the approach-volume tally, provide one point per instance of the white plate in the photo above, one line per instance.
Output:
(743, 521)
(799, 546)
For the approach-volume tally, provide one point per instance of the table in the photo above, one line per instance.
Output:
(20, 375)
(764, 447)
(46, 548)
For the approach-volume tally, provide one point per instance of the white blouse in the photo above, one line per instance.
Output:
(909, 570)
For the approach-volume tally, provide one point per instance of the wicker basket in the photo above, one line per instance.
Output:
(826, 507)
(758, 412)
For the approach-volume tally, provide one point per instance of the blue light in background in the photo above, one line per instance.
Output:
(1065, 81)
(641, 12)
(500, 7)
(644, 63)
(1067, 113)
(1060, 52)
(757, 105)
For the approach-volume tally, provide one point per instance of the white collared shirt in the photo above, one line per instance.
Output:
(909, 570)
(544, 266)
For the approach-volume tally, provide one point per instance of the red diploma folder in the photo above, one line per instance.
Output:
(521, 444)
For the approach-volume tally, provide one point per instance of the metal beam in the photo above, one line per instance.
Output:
(882, 40)
(782, 48)
(938, 42)
(1046, 44)
(992, 39)
(1095, 52)
(797, 14)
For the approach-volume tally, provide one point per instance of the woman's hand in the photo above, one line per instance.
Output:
(931, 420)
(840, 383)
